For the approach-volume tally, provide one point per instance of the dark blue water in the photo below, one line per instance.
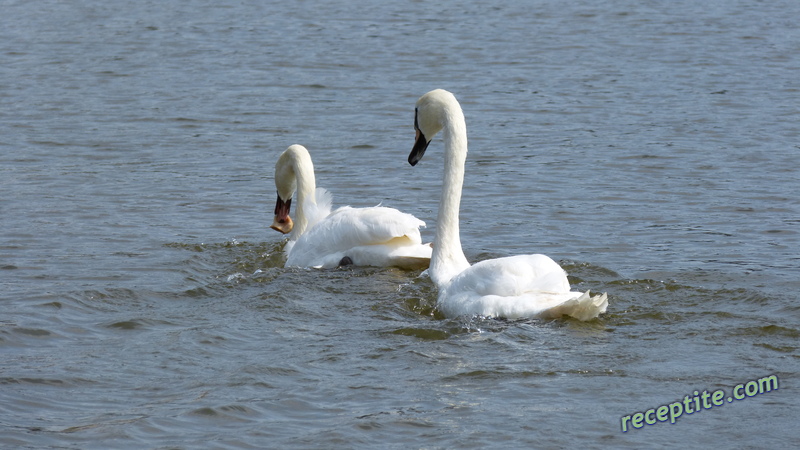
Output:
(651, 148)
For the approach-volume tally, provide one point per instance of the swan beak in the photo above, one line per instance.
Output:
(420, 145)
(282, 222)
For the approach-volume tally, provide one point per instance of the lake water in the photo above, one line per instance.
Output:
(650, 147)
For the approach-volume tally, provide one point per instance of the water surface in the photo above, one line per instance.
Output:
(650, 148)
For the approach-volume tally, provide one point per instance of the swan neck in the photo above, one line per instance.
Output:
(306, 186)
(448, 257)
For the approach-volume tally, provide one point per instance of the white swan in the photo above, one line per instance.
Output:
(376, 236)
(511, 287)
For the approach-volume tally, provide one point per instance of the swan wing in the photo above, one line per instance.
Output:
(369, 236)
(370, 226)
(517, 286)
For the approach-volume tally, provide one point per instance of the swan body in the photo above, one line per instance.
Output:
(511, 287)
(318, 238)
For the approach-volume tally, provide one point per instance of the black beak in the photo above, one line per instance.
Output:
(420, 146)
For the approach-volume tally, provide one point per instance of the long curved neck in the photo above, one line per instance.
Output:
(448, 258)
(303, 170)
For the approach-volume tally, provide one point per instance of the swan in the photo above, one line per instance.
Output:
(376, 236)
(529, 286)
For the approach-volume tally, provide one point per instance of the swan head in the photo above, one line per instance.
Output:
(286, 183)
(432, 111)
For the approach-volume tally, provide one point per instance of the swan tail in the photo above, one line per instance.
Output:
(585, 307)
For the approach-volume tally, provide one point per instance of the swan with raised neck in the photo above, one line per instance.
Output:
(513, 286)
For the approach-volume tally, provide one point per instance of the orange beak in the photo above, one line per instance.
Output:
(282, 222)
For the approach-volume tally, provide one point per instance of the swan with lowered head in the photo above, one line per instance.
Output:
(375, 236)
(510, 287)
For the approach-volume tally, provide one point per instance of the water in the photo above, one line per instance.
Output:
(650, 147)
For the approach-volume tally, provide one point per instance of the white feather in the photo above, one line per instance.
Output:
(319, 209)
